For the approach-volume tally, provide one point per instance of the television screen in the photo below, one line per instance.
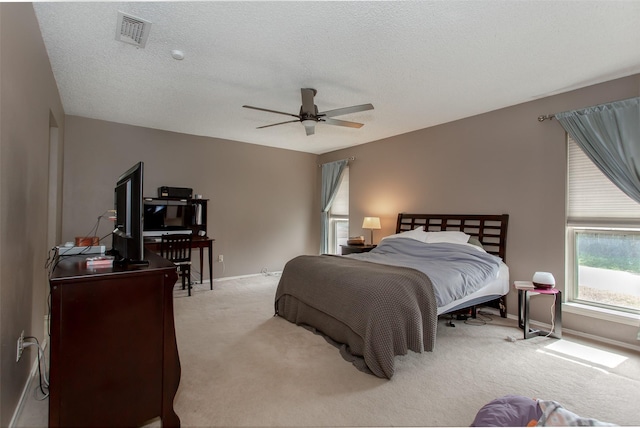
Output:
(164, 215)
(128, 242)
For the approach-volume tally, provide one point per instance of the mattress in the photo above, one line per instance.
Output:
(492, 290)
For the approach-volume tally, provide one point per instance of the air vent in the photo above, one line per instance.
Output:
(132, 30)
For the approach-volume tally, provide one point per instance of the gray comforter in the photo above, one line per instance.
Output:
(374, 311)
(455, 270)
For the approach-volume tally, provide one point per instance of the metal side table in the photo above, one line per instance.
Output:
(525, 291)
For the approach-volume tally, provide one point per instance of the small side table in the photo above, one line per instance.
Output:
(350, 249)
(525, 291)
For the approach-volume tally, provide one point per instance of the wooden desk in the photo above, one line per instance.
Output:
(114, 356)
(198, 242)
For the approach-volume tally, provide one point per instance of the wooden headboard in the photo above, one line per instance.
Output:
(490, 230)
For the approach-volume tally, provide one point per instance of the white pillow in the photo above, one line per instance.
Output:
(418, 234)
(452, 237)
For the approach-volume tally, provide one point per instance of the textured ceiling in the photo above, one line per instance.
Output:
(419, 63)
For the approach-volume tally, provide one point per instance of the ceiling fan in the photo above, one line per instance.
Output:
(309, 114)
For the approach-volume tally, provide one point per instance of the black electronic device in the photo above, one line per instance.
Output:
(165, 216)
(128, 242)
(175, 192)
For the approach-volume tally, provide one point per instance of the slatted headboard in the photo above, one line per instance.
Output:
(490, 230)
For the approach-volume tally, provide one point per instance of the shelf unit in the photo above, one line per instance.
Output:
(195, 212)
(198, 214)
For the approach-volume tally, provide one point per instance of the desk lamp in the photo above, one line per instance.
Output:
(371, 223)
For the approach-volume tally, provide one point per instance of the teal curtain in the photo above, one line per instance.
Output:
(609, 134)
(331, 175)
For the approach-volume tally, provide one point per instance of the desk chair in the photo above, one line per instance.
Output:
(177, 249)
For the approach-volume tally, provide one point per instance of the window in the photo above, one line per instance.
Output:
(603, 228)
(339, 216)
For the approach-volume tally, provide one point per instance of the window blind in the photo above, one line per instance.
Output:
(340, 204)
(592, 196)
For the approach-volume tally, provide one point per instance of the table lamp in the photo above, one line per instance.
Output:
(371, 223)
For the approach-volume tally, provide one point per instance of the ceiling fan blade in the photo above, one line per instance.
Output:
(346, 110)
(308, 106)
(342, 123)
(310, 130)
(272, 111)
(279, 123)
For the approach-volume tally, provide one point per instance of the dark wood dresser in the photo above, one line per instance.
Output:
(114, 357)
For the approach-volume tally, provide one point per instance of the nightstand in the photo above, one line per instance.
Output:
(350, 249)
(525, 291)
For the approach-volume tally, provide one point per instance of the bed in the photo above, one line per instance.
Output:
(376, 305)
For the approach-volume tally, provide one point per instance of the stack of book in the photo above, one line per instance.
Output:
(523, 285)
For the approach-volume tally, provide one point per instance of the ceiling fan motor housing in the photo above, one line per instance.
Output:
(304, 115)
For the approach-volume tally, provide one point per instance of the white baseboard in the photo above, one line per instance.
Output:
(581, 334)
(27, 387)
(602, 339)
(227, 278)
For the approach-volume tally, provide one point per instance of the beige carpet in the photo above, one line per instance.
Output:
(243, 367)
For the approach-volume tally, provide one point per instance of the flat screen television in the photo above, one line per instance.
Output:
(128, 242)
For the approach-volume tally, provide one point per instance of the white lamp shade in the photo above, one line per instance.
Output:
(371, 223)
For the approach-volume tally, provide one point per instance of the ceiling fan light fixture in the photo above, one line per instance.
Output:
(308, 123)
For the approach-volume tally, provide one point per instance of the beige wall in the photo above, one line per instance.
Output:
(29, 103)
(263, 201)
(262, 208)
(499, 162)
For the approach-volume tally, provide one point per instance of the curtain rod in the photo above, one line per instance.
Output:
(546, 117)
(350, 158)
(599, 106)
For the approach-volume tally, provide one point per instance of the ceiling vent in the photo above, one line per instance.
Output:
(132, 30)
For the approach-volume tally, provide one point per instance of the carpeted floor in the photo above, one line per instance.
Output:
(243, 367)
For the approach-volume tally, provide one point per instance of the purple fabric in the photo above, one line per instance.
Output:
(508, 411)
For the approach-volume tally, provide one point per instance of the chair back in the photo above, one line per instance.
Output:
(176, 248)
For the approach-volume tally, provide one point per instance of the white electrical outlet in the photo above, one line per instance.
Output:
(20, 346)
(220, 258)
